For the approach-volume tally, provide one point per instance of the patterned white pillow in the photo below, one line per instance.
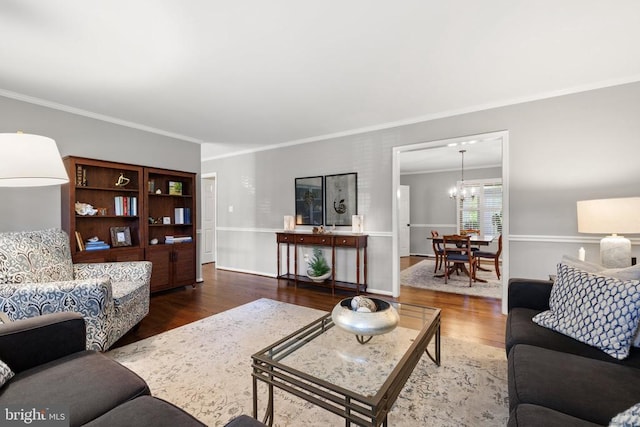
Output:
(600, 311)
(628, 418)
(5, 373)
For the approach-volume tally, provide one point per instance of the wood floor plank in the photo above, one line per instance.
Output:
(470, 318)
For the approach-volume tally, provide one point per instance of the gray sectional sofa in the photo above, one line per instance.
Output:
(52, 368)
(555, 380)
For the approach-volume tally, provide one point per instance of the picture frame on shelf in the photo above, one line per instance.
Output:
(175, 188)
(309, 193)
(120, 236)
(341, 198)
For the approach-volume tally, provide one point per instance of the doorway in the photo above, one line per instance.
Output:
(208, 189)
(404, 233)
(433, 151)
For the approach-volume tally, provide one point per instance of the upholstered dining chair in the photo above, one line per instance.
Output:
(457, 255)
(437, 250)
(495, 256)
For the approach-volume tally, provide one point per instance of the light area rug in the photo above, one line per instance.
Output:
(421, 275)
(205, 368)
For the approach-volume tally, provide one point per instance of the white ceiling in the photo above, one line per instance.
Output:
(248, 74)
(478, 154)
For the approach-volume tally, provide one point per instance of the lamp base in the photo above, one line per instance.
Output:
(615, 252)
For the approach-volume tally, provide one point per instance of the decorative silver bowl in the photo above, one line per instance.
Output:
(365, 324)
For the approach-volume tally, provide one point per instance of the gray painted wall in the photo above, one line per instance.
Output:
(562, 149)
(37, 208)
(431, 207)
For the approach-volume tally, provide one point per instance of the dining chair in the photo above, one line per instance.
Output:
(457, 254)
(437, 250)
(495, 256)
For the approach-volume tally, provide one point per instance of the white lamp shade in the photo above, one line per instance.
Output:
(30, 161)
(609, 216)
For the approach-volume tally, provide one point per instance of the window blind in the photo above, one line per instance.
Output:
(484, 211)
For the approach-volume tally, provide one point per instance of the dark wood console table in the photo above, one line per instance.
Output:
(355, 241)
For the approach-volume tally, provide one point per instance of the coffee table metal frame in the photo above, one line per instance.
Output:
(353, 407)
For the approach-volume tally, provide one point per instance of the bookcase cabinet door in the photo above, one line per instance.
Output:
(160, 257)
(184, 268)
(173, 265)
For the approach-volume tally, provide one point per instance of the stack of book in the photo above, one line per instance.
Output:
(95, 246)
(182, 215)
(177, 239)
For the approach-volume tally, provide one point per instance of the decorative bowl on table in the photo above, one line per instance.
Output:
(365, 317)
(318, 279)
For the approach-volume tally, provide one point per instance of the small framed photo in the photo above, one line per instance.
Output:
(120, 236)
(166, 220)
(175, 188)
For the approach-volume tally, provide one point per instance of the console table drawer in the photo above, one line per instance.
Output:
(313, 240)
(346, 241)
(284, 238)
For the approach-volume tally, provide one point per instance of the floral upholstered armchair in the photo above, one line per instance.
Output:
(37, 277)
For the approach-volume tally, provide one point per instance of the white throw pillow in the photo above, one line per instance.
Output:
(600, 311)
(5, 373)
(587, 266)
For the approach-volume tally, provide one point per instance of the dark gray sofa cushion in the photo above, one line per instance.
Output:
(31, 342)
(89, 383)
(527, 415)
(146, 411)
(592, 390)
(522, 330)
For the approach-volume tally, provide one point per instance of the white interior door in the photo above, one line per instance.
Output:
(404, 234)
(207, 248)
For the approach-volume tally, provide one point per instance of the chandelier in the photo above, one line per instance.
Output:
(459, 192)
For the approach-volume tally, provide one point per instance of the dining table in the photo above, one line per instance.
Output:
(475, 240)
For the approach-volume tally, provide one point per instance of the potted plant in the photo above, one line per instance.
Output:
(317, 269)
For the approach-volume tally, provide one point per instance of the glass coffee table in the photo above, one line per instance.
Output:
(327, 366)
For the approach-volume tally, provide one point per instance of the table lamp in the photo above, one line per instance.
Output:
(611, 216)
(30, 161)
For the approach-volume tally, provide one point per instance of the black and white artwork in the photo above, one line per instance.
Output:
(341, 198)
(309, 201)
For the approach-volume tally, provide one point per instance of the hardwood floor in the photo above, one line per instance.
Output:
(468, 318)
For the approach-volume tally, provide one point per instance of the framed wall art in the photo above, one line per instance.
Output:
(120, 236)
(309, 201)
(341, 198)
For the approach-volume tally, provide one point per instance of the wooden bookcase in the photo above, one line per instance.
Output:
(149, 224)
(167, 192)
(93, 182)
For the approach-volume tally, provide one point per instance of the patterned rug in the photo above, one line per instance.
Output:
(205, 368)
(421, 275)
